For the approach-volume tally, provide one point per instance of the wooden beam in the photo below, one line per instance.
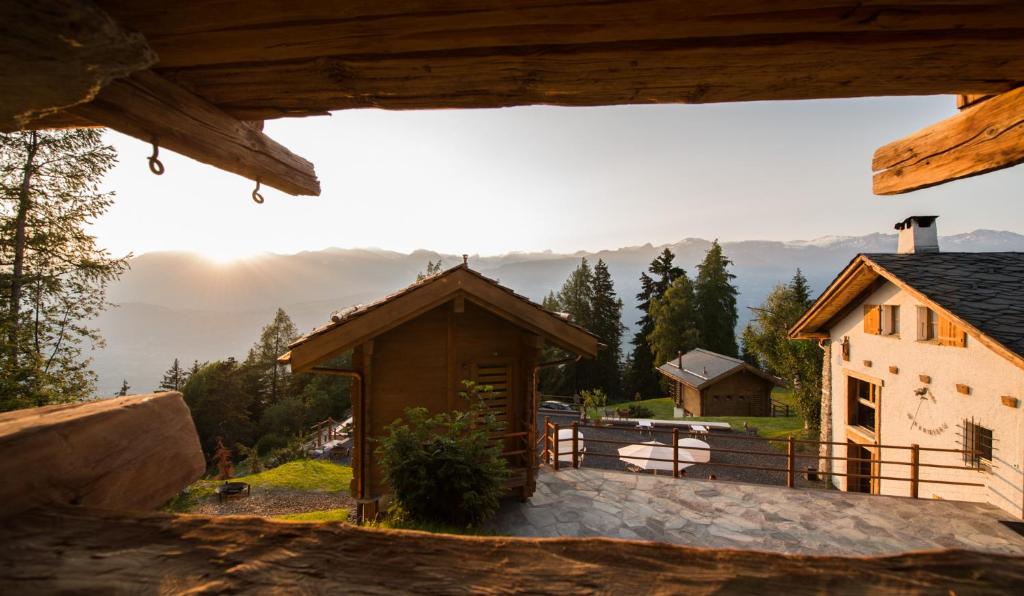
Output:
(986, 137)
(150, 108)
(58, 53)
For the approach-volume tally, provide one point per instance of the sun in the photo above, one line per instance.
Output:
(225, 255)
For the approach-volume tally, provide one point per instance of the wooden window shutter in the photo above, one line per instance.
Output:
(950, 334)
(872, 319)
(922, 323)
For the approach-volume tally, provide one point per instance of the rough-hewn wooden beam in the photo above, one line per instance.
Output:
(82, 550)
(611, 74)
(58, 53)
(133, 452)
(985, 137)
(148, 107)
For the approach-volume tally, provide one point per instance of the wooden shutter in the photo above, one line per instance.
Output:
(950, 334)
(498, 376)
(872, 319)
(922, 323)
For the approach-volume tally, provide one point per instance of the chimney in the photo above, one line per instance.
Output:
(918, 234)
(680, 360)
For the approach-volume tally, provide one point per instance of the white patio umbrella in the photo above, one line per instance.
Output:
(701, 455)
(638, 456)
(565, 444)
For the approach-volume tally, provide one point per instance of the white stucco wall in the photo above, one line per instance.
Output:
(936, 421)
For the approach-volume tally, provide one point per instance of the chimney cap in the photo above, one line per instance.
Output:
(923, 221)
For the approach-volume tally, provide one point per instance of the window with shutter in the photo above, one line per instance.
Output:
(925, 324)
(949, 333)
(872, 319)
(890, 319)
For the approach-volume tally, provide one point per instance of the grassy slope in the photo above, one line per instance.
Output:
(326, 515)
(304, 474)
(769, 427)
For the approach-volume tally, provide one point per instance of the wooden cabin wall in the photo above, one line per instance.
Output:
(424, 361)
(750, 396)
(690, 399)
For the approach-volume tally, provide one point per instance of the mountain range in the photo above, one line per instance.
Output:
(181, 305)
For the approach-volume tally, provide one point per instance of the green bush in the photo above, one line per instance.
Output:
(445, 468)
(638, 411)
(271, 442)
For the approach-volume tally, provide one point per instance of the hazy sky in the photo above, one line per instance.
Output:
(566, 179)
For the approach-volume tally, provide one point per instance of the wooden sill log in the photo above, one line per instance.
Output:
(134, 452)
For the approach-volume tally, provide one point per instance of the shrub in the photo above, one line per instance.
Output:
(638, 411)
(445, 468)
(594, 402)
(270, 442)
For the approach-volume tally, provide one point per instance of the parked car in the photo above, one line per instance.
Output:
(558, 406)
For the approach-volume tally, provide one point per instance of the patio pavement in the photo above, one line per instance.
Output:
(721, 514)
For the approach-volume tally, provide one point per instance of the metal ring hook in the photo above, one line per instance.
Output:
(256, 196)
(155, 165)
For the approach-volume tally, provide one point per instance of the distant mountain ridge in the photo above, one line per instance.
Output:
(177, 304)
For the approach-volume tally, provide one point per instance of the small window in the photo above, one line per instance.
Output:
(977, 444)
(927, 324)
(862, 404)
(890, 319)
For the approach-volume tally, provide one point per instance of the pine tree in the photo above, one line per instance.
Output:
(271, 378)
(641, 376)
(606, 323)
(432, 269)
(674, 318)
(175, 377)
(53, 275)
(716, 303)
(575, 298)
(125, 388)
(798, 362)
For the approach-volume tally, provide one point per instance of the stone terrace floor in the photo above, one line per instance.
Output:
(720, 514)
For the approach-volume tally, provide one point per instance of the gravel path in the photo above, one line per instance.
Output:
(605, 456)
(274, 501)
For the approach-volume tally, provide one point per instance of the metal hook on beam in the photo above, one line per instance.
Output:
(256, 196)
(155, 165)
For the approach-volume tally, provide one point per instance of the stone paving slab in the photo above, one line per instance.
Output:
(719, 514)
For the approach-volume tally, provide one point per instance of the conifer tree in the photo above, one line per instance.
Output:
(175, 377)
(641, 376)
(53, 276)
(271, 377)
(674, 321)
(716, 303)
(606, 314)
(575, 298)
(125, 388)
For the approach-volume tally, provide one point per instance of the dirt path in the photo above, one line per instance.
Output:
(274, 501)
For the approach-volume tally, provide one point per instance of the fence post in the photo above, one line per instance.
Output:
(915, 461)
(575, 445)
(790, 461)
(675, 452)
(555, 442)
(547, 440)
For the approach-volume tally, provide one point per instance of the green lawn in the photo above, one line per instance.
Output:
(327, 515)
(304, 474)
(767, 426)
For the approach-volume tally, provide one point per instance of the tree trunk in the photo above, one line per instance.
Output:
(20, 223)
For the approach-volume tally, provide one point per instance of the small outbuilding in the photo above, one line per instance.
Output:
(706, 383)
(416, 347)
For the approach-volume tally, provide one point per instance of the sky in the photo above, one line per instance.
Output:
(546, 178)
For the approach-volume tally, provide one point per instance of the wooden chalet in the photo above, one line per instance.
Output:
(706, 383)
(416, 346)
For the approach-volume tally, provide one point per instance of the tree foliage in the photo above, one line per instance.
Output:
(641, 377)
(52, 273)
(798, 362)
(175, 377)
(432, 269)
(715, 303)
(273, 378)
(674, 321)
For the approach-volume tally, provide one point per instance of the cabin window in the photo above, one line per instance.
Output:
(862, 404)
(977, 444)
(932, 326)
(890, 319)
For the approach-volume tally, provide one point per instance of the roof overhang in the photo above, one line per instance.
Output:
(861, 277)
(422, 297)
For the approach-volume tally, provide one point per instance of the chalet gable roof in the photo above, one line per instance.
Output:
(352, 326)
(699, 368)
(983, 292)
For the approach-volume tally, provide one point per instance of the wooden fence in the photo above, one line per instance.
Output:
(552, 445)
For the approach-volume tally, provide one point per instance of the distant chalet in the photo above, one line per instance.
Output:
(706, 383)
(414, 348)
